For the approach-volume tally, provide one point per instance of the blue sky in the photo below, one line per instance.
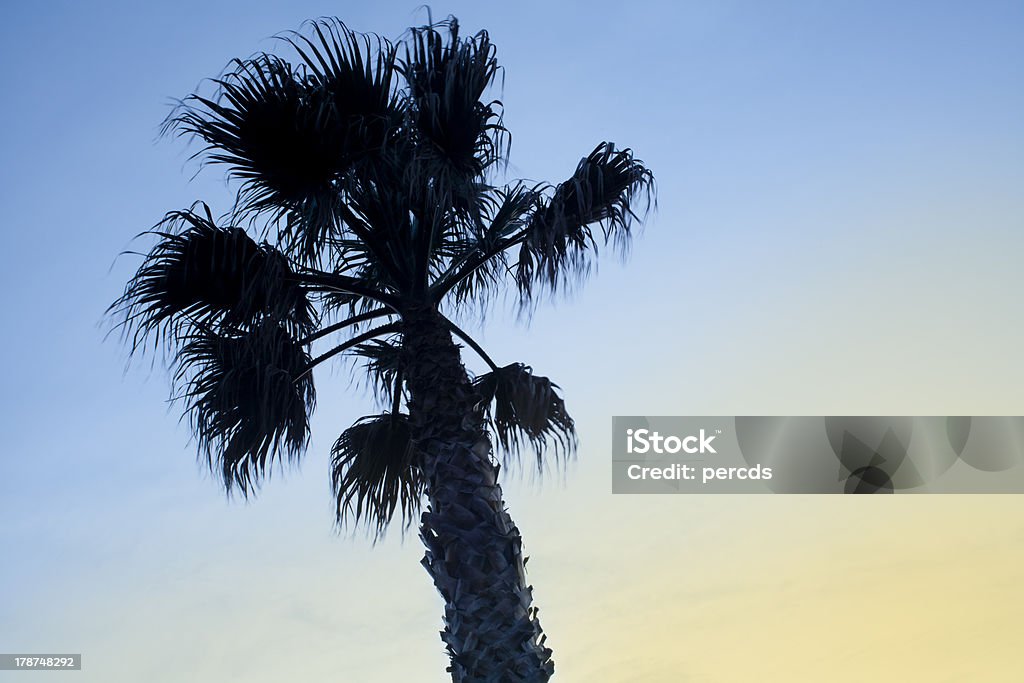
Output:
(839, 230)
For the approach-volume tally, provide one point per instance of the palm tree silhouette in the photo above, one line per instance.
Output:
(365, 169)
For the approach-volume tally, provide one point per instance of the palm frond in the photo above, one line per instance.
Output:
(352, 78)
(607, 189)
(523, 408)
(478, 263)
(248, 399)
(267, 126)
(290, 134)
(355, 73)
(376, 472)
(382, 364)
(205, 274)
(384, 206)
(447, 79)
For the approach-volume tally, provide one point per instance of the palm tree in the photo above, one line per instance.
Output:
(366, 171)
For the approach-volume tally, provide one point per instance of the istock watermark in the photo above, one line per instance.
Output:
(644, 441)
(816, 454)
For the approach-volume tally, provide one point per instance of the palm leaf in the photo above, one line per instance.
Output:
(383, 365)
(478, 264)
(447, 79)
(249, 398)
(604, 191)
(375, 472)
(292, 134)
(267, 127)
(213, 276)
(354, 74)
(523, 408)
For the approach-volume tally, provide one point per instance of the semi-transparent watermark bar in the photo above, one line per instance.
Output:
(818, 454)
(40, 662)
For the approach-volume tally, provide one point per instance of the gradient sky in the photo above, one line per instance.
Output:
(840, 231)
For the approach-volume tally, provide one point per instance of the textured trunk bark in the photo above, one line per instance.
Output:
(473, 549)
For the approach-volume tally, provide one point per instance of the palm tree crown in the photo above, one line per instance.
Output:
(367, 174)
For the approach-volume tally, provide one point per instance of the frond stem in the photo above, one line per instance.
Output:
(469, 264)
(359, 339)
(348, 285)
(472, 343)
(354, 320)
(397, 397)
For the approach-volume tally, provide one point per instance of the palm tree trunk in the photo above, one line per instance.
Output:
(473, 549)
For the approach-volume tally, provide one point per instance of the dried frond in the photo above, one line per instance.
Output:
(212, 276)
(248, 398)
(523, 408)
(375, 472)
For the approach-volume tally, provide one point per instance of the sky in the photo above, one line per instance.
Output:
(839, 231)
